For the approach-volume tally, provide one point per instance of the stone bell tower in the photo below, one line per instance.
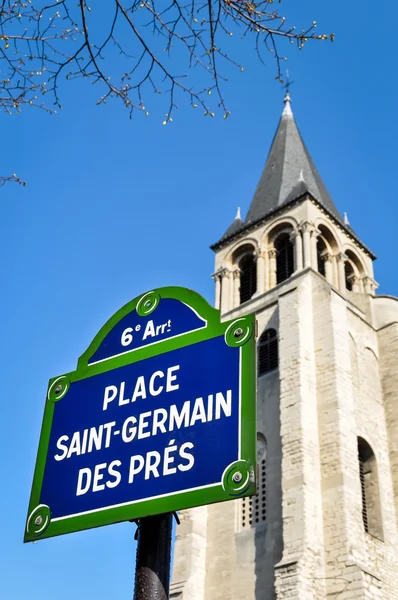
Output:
(323, 525)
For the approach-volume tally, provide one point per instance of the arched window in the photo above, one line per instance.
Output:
(267, 351)
(320, 253)
(248, 277)
(349, 274)
(284, 257)
(371, 511)
(254, 509)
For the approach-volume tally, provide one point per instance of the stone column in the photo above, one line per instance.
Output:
(217, 281)
(225, 291)
(341, 258)
(272, 267)
(266, 271)
(306, 228)
(297, 240)
(260, 262)
(369, 285)
(314, 254)
(355, 283)
(328, 266)
(236, 287)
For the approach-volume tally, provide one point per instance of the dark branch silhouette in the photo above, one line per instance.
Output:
(131, 49)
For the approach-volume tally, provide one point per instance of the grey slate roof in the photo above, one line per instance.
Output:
(288, 173)
(289, 176)
(235, 226)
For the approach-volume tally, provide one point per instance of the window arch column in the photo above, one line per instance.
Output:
(369, 285)
(314, 253)
(328, 258)
(236, 287)
(217, 280)
(260, 266)
(306, 228)
(225, 289)
(355, 283)
(297, 240)
(341, 258)
(272, 267)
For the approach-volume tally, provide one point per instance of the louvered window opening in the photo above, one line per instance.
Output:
(254, 509)
(268, 352)
(248, 278)
(348, 273)
(284, 258)
(321, 259)
(363, 492)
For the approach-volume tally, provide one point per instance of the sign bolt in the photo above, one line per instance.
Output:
(58, 389)
(38, 520)
(238, 332)
(237, 477)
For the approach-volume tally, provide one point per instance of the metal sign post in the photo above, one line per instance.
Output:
(158, 416)
(152, 567)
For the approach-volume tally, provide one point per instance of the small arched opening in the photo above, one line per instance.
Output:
(321, 250)
(248, 277)
(284, 257)
(267, 352)
(349, 275)
(370, 493)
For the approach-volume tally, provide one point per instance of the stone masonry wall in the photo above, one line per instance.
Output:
(379, 554)
(300, 572)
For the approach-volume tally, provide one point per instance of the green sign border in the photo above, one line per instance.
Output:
(239, 479)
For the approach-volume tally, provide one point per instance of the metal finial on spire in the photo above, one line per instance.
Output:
(288, 83)
(287, 100)
(346, 221)
(238, 214)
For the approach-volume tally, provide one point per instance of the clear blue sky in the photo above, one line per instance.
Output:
(115, 207)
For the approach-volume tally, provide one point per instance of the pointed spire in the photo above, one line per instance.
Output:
(287, 111)
(289, 172)
(238, 214)
(346, 221)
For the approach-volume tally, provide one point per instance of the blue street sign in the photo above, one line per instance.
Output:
(158, 416)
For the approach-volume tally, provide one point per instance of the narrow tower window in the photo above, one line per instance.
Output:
(349, 273)
(248, 277)
(284, 257)
(254, 509)
(320, 253)
(371, 510)
(267, 351)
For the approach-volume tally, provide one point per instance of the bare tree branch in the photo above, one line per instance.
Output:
(130, 48)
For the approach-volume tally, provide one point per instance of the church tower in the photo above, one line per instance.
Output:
(323, 525)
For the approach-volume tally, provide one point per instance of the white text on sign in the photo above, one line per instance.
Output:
(151, 331)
